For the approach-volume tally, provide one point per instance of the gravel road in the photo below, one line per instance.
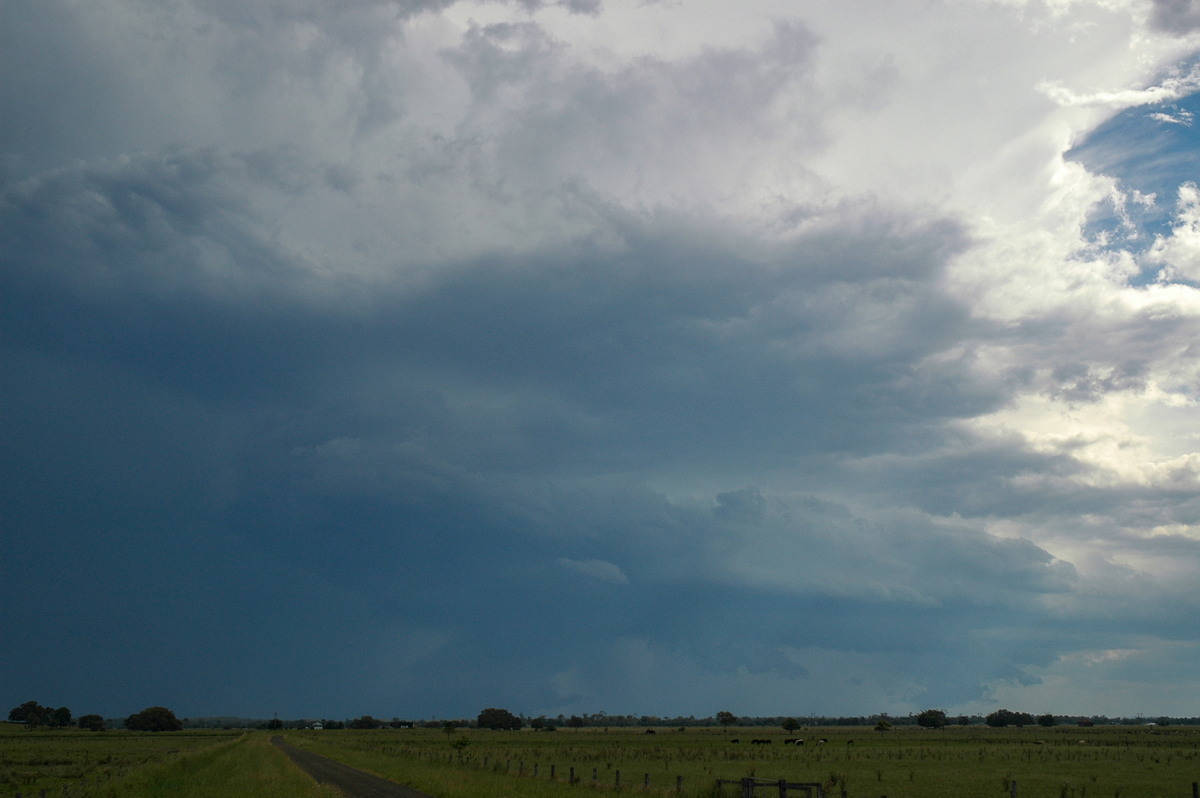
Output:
(353, 783)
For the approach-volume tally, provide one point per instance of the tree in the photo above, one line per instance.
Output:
(153, 719)
(791, 725)
(31, 713)
(365, 722)
(91, 723)
(726, 718)
(60, 717)
(932, 719)
(883, 726)
(274, 723)
(1006, 717)
(492, 718)
(1046, 720)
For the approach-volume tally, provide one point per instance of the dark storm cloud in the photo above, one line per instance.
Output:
(1176, 16)
(211, 382)
(671, 341)
(409, 358)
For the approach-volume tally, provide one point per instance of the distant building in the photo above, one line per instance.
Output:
(318, 725)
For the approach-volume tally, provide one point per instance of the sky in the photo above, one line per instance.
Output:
(654, 357)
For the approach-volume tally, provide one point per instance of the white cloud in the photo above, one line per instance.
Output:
(1183, 118)
(1172, 88)
(1179, 252)
(596, 569)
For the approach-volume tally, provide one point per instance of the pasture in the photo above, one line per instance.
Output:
(82, 764)
(907, 762)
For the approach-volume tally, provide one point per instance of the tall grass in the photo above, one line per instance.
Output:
(36, 760)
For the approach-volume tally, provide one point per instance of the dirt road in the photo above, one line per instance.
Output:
(354, 783)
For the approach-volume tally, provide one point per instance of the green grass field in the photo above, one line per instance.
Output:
(84, 764)
(972, 762)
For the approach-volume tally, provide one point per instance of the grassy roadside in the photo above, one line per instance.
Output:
(247, 766)
(81, 764)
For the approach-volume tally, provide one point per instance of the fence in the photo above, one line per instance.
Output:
(749, 785)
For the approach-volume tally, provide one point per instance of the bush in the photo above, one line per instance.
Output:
(1006, 717)
(932, 719)
(91, 723)
(153, 719)
(492, 718)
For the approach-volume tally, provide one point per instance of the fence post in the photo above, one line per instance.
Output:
(646, 782)
(593, 775)
(571, 776)
(783, 788)
(617, 780)
(679, 784)
(1196, 789)
(1013, 789)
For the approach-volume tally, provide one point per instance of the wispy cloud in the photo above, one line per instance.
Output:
(596, 569)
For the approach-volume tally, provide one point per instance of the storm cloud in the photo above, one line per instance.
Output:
(411, 358)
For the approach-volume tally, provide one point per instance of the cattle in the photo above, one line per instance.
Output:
(761, 742)
(735, 740)
(822, 741)
(795, 741)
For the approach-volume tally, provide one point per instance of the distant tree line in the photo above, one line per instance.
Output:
(33, 715)
(930, 718)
